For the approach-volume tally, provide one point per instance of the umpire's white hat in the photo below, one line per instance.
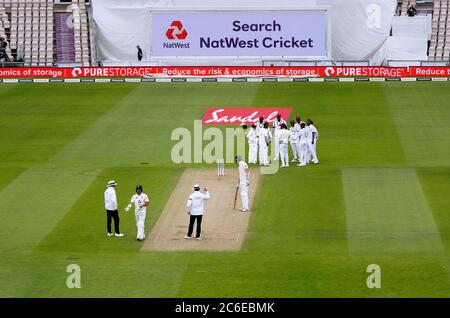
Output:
(196, 187)
(111, 183)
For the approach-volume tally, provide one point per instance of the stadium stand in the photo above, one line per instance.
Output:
(439, 42)
(80, 31)
(440, 38)
(410, 35)
(30, 30)
(44, 32)
(65, 45)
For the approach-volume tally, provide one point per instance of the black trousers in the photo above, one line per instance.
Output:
(112, 215)
(192, 220)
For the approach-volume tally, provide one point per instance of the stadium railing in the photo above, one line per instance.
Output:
(69, 64)
(313, 63)
(402, 63)
(11, 64)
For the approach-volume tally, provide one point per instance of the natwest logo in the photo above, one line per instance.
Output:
(176, 31)
(240, 116)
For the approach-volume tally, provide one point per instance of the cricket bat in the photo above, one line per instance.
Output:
(235, 197)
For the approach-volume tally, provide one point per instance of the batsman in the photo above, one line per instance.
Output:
(243, 184)
(140, 201)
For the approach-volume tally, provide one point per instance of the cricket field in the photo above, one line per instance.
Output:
(380, 195)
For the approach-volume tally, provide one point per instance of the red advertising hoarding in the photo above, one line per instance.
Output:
(225, 71)
(239, 116)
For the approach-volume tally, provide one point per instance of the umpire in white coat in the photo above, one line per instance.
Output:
(195, 207)
(111, 209)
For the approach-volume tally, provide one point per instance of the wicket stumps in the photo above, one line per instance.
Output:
(220, 167)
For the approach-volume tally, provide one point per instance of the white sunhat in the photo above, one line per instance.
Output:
(196, 186)
(111, 183)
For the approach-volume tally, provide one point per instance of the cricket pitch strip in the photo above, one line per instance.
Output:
(223, 229)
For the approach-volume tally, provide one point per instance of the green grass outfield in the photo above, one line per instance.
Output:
(381, 194)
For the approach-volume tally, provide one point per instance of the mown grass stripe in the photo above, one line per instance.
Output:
(422, 121)
(36, 200)
(387, 212)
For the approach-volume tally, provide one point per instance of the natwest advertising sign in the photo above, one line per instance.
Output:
(294, 33)
(240, 116)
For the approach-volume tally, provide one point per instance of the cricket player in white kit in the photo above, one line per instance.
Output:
(140, 201)
(195, 208)
(313, 136)
(252, 138)
(294, 140)
(298, 121)
(284, 142)
(276, 134)
(260, 123)
(264, 140)
(302, 145)
(244, 182)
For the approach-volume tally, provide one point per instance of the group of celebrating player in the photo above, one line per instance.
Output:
(302, 137)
